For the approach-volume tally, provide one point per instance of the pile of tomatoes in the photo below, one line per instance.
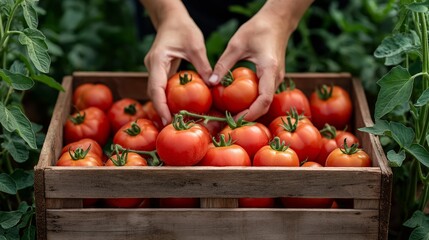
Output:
(297, 131)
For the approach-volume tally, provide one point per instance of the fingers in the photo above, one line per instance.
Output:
(232, 54)
(198, 58)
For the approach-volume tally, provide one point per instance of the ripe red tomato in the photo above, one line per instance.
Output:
(287, 98)
(84, 143)
(302, 137)
(182, 144)
(237, 91)
(125, 159)
(152, 114)
(187, 91)
(179, 202)
(79, 157)
(214, 127)
(276, 154)
(92, 95)
(331, 105)
(250, 135)
(348, 157)
(225, 153)
(277, 125)
(332, 139)
(311, 164)
(124, 111)
(137, 135)
(88, 123)
(256, 202)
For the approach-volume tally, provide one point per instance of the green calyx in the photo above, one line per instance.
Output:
(324, 92)
(289, 126)
(79, 119)
(79, 153)
(134, 130)
(227, 79)
(283, 87)
(184, 79)
(152, 161)
(222, 142)
(121, 157)
(354, 148)
(276, 145)
(329, 131)
(236, 124)
(179, 123)
(130, 109)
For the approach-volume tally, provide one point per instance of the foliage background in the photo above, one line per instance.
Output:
(103, 35)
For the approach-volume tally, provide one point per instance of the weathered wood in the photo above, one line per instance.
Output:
(53, 203)
(212, 224)
(366, 203)
(219, 202)
(228, 182)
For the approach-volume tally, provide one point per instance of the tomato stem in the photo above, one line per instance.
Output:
(153, 154)
(79, 153)
(283, 87)
(329, 131)
(78, 119)
(222, 142)
(236, 124)
(130, 109)
(276, 145)
(325, 92)
(227, 79)
(121, 157)
(179, 123)
(184, 79)
(349, 150)
(134, 130)
(205, 117)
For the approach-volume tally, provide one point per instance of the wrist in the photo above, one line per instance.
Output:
(163, 11)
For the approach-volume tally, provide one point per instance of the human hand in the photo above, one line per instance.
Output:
(178, 37)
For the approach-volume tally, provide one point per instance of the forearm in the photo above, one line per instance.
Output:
(161, 10)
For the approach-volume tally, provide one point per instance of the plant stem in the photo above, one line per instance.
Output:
(6, 99)
(425, 68)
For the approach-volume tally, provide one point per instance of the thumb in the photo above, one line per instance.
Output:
(224, 64)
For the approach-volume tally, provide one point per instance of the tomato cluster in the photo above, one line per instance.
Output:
(297, 131)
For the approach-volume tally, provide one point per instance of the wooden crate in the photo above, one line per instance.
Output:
(59, 191)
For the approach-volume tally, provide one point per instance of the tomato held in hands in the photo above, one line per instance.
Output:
(225, 153)
(79, 157)
(332, 139)
(237, 91)
(182, 144)
(124, 111)
(88, 123)
(276, 154)
(187, 91)
(139, 135)
(152, 114)
(92, 95)
(348, 156)
(331, 105)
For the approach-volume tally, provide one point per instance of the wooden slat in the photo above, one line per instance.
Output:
(228, 182)
(219, 202)
(232, 224)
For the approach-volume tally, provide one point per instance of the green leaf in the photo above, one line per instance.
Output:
(37, 48)
(396, 159)
(427, 140)
(394, 60)
(9, 219)
(395, 88)
(16, 147)
(16, 81)
(23, 179)
(420, 7)
(18, 67)
(423, 99)
(402, 134)
(418, 219)
(7, 184)
(397, 44)
(6, 6)
(30, 14)
(48, 81)
(420, 233)
(12, 118)
(29, 233)
(379, 128)
(419, 152)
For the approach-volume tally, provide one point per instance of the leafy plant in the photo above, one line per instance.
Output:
(24, 60)
(405, 90)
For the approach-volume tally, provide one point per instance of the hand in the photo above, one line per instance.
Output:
(178, 37)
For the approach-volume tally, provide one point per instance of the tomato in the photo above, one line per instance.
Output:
(298, 202)
(250, 135)
(277, 125)
(237, 91)
(92, 95)
(332, 139)
(139, 135)
(187, 91)
(124, 111)
(84, 143)
(348, 157)
(79, 157)
(286, 99)
(256, 202)
(311, 164)
(179, 202)
(276, 154)
(125, 159)
(214, 127)
(225, 153)
(88, 123)
(152, 114)
(331, 105)
(182, 144)
(302, 137)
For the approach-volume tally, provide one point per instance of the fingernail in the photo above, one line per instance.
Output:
(213, 79)
(164, 121)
